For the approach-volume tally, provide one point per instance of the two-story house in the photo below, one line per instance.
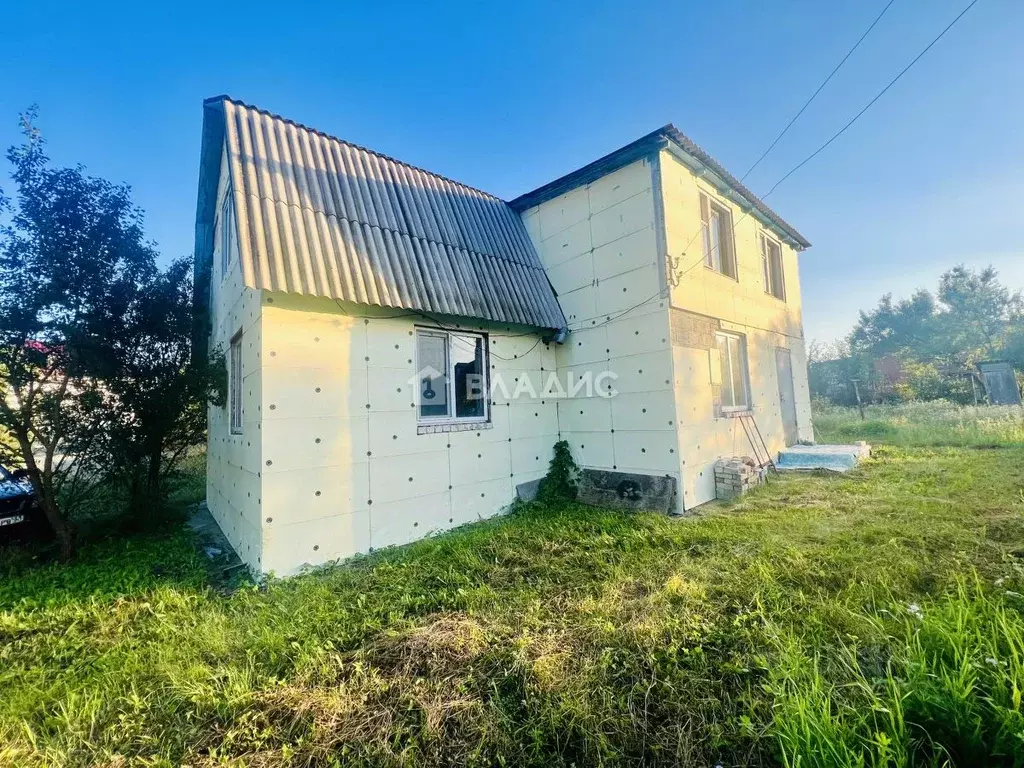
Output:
(403, 350)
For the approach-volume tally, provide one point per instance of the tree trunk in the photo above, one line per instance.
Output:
(62, 528)
(42, 484)
(153, 477)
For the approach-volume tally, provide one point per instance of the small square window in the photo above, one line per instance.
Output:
(719, 246)
(732, 351)
(452, 376)
(235, 384)
(771, 267)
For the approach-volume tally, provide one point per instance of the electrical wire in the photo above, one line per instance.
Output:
(879, 95)
(793, 170)
(814, 95)
(834, 136)
(490, 352)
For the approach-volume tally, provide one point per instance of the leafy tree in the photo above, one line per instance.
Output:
(979, 314)
(904, 327)
(159, 393)
(972, 317)
(932, 339)
(94, 339)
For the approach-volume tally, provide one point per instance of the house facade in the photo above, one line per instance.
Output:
(403, 351)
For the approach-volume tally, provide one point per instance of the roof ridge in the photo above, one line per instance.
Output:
(330, 137)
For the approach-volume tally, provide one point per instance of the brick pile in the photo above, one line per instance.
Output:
(735, 476)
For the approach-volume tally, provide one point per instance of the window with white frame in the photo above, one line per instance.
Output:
(452, 376)
(235, 384)
(732, 351)
(227, 230)
(771, 267)
(716, 225)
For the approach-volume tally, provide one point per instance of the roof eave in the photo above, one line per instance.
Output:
(643, 147)
(700, 162)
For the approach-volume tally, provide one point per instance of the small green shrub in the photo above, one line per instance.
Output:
(561, 484)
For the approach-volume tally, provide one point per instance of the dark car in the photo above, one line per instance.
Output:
(20, 515)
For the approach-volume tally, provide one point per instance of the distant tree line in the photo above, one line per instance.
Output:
(925, 347)
(100, 393)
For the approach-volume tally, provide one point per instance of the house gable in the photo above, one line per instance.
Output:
(322, 217)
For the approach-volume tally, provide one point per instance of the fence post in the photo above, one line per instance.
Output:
(856, 392)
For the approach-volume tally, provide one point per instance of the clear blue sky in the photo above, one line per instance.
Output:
(508, 96)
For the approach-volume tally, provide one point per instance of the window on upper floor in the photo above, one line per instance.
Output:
(719, 247)
(732, 351)
(227, 231)
(771, 267)
(235, 384)
(452, 373)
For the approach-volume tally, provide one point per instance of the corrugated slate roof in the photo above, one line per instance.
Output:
(323, 217)
(643, 147)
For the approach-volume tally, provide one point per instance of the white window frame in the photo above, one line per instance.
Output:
(739, 343)
(235, 384)
(716, 256)
(768, 269)
(450, 417)
(227, 225)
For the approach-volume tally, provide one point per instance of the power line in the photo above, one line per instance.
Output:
(815, 94)
(799, 165)
(879, 95)
(837, 134)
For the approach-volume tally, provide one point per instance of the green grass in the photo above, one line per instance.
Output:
(935, 423)
(872, 619)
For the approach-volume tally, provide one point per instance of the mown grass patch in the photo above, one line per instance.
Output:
(867, 619)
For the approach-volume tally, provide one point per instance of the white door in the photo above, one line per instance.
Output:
(787, 396)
